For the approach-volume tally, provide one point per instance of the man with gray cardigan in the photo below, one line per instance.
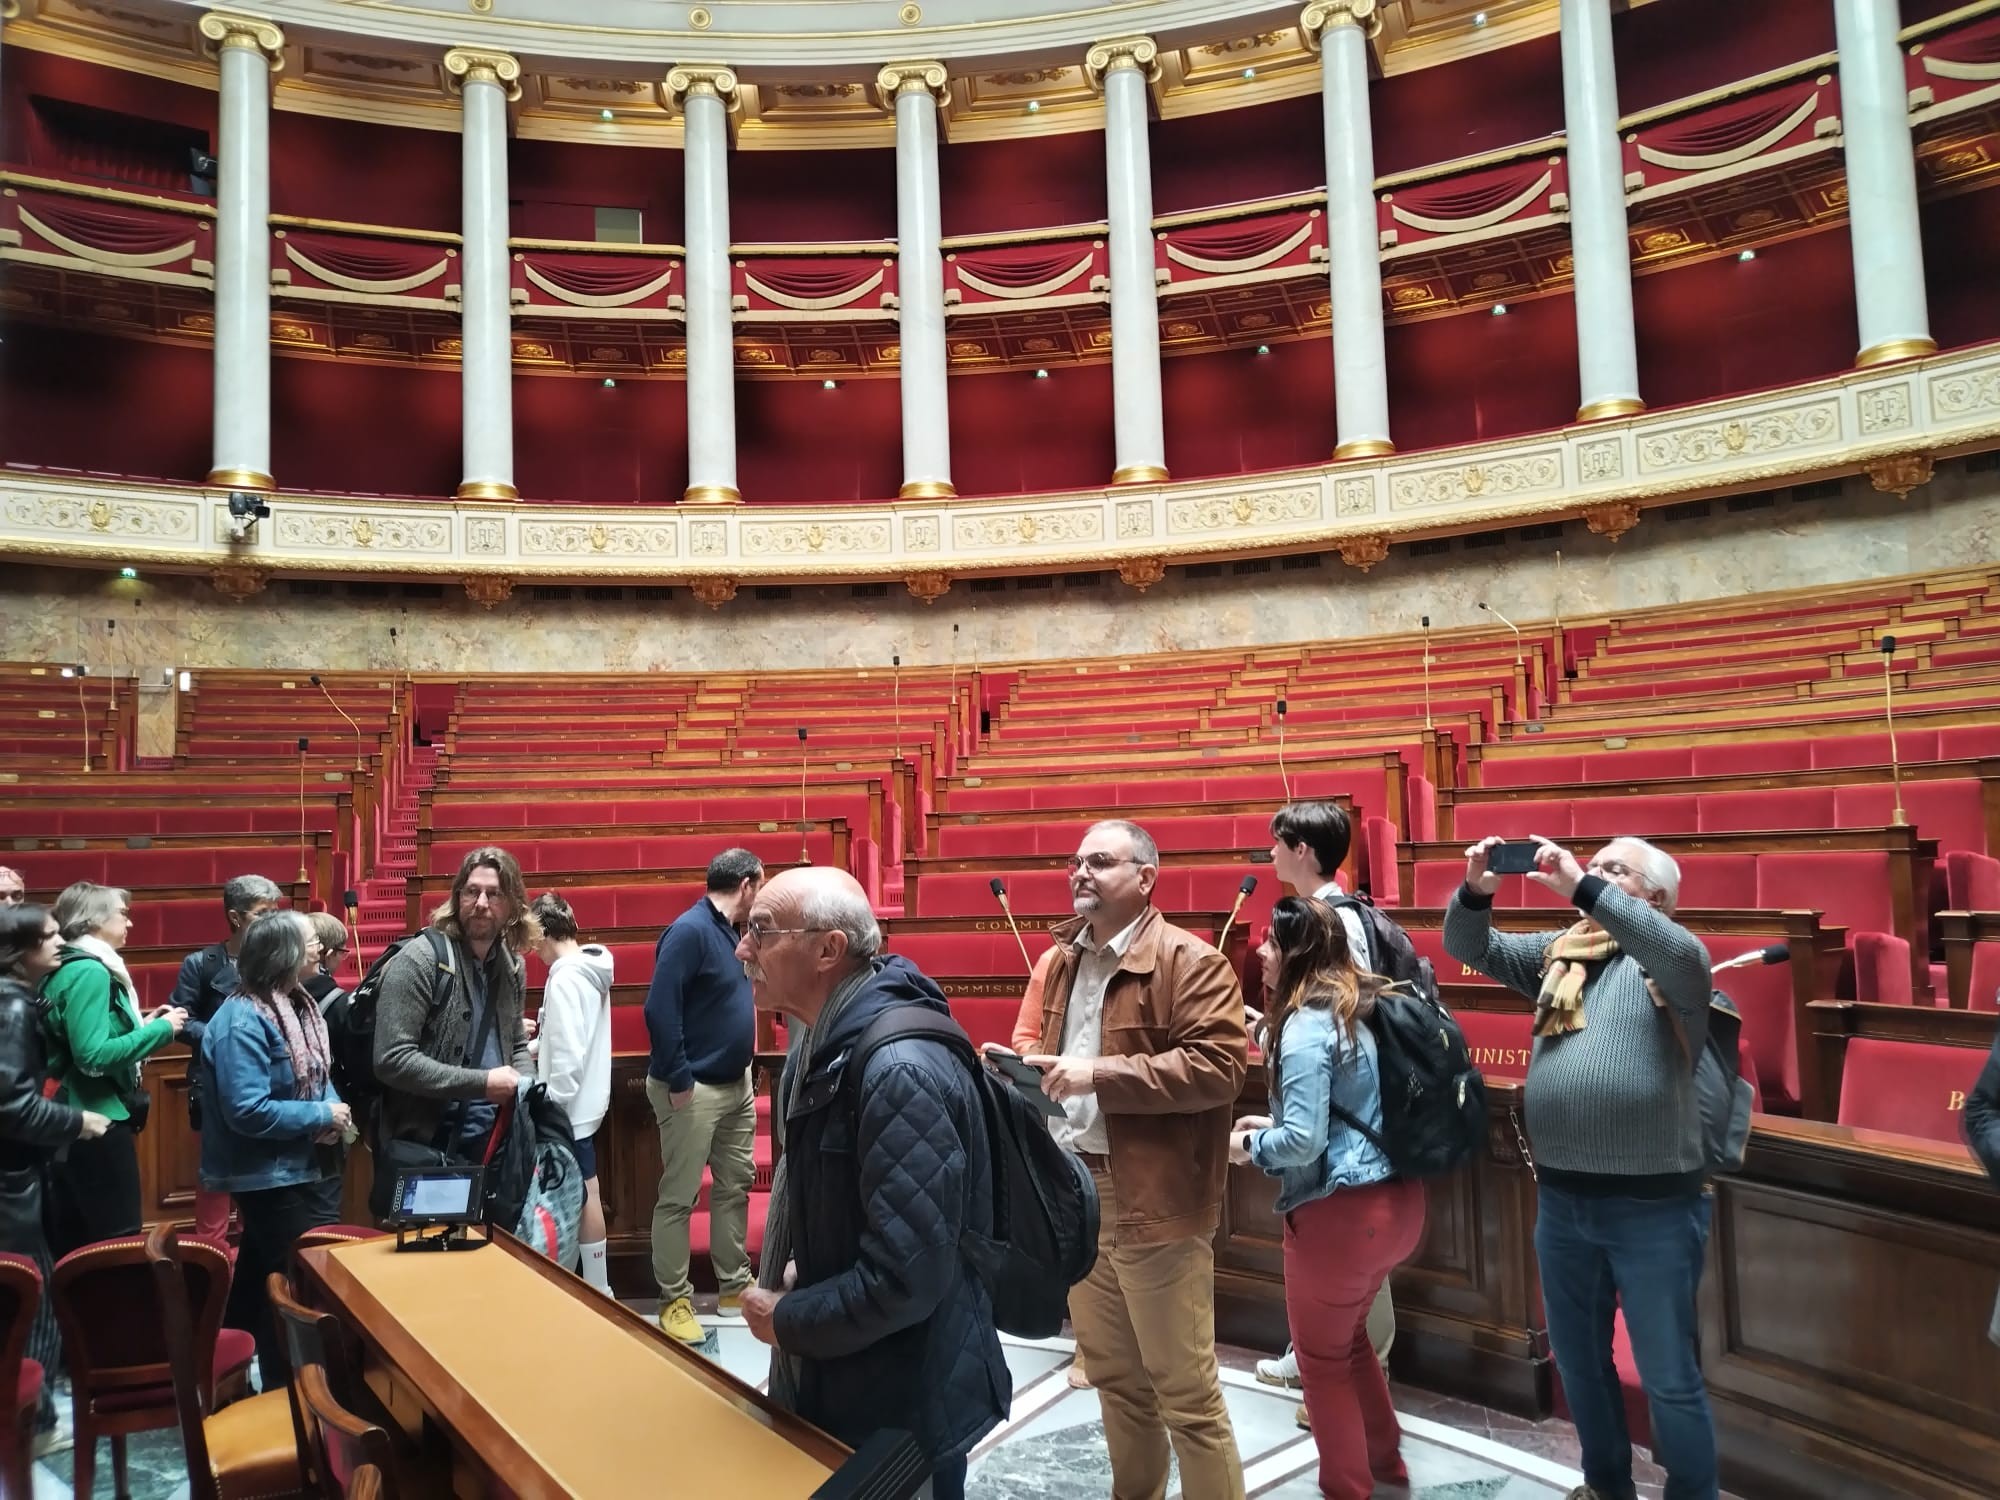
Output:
(1621, 1011)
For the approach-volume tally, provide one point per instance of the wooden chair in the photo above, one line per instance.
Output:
(107, 1304)
(367, 1484)
(249, 1449)
(342, 1443)
(20, 1377)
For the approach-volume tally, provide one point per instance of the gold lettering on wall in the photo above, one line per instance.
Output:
(1500, 1057)
(1957, 1101)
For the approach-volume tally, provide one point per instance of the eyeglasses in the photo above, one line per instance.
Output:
(13, 898)
(1097, 864)
(759, 935)
(1611, 869)
(474, 897)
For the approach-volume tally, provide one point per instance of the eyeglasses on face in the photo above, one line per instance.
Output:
(760, 933)
(1611, 869)
(1097, 864)
(473, 895)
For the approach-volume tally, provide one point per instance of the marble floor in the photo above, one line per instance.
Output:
(1052, 1445)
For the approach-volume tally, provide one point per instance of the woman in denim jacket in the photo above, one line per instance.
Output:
(274, 1132)
(1349, 1220)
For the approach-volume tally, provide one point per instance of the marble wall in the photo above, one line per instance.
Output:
(54, 614)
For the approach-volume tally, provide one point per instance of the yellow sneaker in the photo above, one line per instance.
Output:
(730, 1305)
(1302, 1417)
(677, 1321)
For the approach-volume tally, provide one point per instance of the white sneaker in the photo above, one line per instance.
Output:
(1282, 1371)
(58, 1439)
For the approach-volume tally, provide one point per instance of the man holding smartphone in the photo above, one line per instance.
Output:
(1621, 1013)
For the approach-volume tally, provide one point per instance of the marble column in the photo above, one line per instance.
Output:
(247, 49)
(1607, 349)
(914, 90)
(1893, 313)
(1123, 69)
(705, 94)
(1341, 30)
(485, 83)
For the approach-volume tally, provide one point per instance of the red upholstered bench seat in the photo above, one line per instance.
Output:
(694, 805)
(1217, 831)
(545, 859)
(988, 1018)
(1746, 757)
(49, 870)
(1363, 787)
(1910, 1088)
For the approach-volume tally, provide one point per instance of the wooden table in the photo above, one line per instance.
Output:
(545, 1388)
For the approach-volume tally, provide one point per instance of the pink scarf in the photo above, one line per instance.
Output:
(304, 1029)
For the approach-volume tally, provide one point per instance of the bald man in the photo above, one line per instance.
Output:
(882, 1174)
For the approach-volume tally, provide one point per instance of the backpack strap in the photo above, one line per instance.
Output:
(902, 1023)
(1353, 1122)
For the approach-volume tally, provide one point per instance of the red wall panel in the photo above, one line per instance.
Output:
(347, 425)
(365, 174)
(1673, 48)
(1475, 376)
(575, 440)
(785, 196)
(1014, 434)
(1961, 248)
(81, 400)
(1236, 411)
(1031, 183)
(1481, 104)
(39, 74)
(1723, 326)
(798, 442)
(1200, 161)
(556, 184)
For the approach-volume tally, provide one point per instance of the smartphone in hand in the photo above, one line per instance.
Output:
(1515, 857)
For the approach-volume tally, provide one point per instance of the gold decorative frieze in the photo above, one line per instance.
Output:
(1363, 551)
(929, 587)
(1264, 508)
(103, 516)
(1612, 521)
(598, 539)
(814, 538)
(365, 532)
(1496, 476)
(1027, 528)
(1965, 393)
(1142, 572)
(714, 592)
(1804, 425)
(1901, 473)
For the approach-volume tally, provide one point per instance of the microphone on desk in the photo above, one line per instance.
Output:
(303, 742)
(1776, 953)
(1284, 777)
(326, 694)
(1509, 624)
(1426, 623)
(1242, 892)
(805, 854)
(896, 665)
(1889, 715)
(999, 889)
(351, 899)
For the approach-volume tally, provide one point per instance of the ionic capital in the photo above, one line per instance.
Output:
(1140, 52)
(909, 78)
(224, 31)
(465, 65)
(691, 80)
(1323, 15)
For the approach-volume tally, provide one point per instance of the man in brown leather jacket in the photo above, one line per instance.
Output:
(1143, 1044)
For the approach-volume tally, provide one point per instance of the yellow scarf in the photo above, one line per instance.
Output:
(1559, 1007)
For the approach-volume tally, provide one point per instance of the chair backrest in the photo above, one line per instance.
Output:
(176, 1321)
(107, 1304)
(342, 1443)
(311, 1338)
(20, 1295)
(367, 1484)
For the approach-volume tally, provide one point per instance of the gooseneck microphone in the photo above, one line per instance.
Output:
(344, 714)
(999, 889)
(352, 900)
(1509, 624)
(303, 742)
(1776, 953)
(1284, 777)
(1242, 892)
(896, 666)
(1426, 622)
(1889, 714)
(805, 854)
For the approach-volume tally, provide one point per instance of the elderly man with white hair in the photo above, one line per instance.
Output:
(13, 889)
(877, 1319)
(1621, 1013)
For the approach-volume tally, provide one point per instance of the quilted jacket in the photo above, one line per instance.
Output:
(891, 1326)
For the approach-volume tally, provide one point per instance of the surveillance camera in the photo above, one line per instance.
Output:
(244, 513)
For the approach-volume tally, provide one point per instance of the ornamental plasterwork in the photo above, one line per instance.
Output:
(1135, 519)
(1886, 410)
(1900, 474)
(597, 538)
(1142, 572)
(366, 532)
(1028, 528)
(485, 535)
(920, 533)
(1602, 459)
(149, 520)
(1354, 497)
(792, 538)
(1807, 425)
(1962, 394)
(1235, 512)
(708, 538)
(1491, 477)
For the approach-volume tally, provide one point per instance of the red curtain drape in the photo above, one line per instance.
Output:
(1728, 125)
(1977, 43)
(112, 227)
(814, 278)
(366, 260)
(1021, 265)
(1239, 240)
(1469, 197)
(597, 275)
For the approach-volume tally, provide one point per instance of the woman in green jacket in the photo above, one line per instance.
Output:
(97, 1040)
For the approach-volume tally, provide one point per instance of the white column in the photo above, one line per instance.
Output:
(705, 96)
(1123, 69)
(1893, 313)
(917, 88)
(1341, 30)
(485, 83)
(1607, 351)
(246, 50)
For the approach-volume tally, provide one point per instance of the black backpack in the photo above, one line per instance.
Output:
(1044, 1238)
(350, 1024)
(1721, 1093)
(1390, 951)
(1433, 1098)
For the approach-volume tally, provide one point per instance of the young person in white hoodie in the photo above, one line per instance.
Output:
(573, 1057)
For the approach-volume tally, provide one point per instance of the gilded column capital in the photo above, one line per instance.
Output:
(1323, 15)
(909, 77)
(223, 30)
(9, 9)
(1140, 52)
(463, 65)
(684, 80)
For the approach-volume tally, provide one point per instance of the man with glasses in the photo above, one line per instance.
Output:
(447, 1055)
(703, 1029)
(13, 889)
(1143, 1044)
(1621, 1014)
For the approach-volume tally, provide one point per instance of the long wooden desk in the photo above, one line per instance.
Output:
(545, 1389)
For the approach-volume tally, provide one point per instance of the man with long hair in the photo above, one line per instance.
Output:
(445, 1067)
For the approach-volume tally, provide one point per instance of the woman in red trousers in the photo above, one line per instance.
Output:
(1349, 1220)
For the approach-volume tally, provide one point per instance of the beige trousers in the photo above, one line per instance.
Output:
(715, 1129)
(1145, 1325)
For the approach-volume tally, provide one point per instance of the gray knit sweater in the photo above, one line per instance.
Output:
(1616, 1098)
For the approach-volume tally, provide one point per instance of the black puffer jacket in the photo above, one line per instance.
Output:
(31, 1127)
(892, 1328)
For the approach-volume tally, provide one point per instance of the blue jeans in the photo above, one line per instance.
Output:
(1644, 1254)
(948, 1479)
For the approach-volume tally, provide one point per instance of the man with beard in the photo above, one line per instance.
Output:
(448, 1055)
(1144, 1046)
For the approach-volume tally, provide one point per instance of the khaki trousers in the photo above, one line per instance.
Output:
(715, 1129)
(1145, 1325)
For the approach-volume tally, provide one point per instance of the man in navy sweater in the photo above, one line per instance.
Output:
(703, 1030)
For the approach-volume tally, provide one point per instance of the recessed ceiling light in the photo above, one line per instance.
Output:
(1479, 18)
(1746, 255)
(128, 572)
(605, 115)
(1034, 105)
(610, 384)
(1041, 374)
(1499, 309)
(1249, 72)
(1263, 348)
(829, 385)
